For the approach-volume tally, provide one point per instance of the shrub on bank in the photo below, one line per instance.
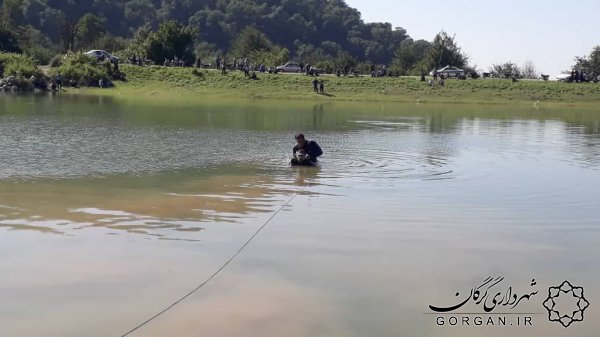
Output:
(18, 65)
(83, 70)
(56, 61)
(20, 72)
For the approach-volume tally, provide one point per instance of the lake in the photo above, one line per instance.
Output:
(111, 209)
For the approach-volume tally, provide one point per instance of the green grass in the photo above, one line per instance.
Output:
(169, 82)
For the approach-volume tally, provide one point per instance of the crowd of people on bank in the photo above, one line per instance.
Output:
(579, 76)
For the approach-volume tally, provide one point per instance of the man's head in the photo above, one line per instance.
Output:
(300, 139)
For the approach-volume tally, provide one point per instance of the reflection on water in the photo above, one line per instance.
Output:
(153, 205)
(113, 208)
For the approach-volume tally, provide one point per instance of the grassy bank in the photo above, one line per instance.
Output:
(169, 82)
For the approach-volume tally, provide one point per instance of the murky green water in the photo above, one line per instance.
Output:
(112, 209)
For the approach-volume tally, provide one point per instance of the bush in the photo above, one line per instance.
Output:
(56, 61)
(18, 65)
(40, 54)
(82, 69)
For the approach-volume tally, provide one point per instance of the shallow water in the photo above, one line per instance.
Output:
(111, 209)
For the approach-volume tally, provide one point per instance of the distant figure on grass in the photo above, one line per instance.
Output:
(316, 85)
(305, 151)
(58, 80)
(223, 67)
(322, 87)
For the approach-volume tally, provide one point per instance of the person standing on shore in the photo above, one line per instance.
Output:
(315, 85)
(58, 81)
(322, 86)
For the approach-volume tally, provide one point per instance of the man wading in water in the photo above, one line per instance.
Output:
(306, 151)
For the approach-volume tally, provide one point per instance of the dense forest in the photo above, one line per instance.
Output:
(305, 30)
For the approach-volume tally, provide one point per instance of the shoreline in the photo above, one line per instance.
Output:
(166, 83)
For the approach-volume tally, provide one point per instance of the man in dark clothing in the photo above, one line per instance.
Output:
(310, 148)
(316, 85)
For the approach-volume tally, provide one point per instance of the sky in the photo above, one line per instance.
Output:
(548, 32)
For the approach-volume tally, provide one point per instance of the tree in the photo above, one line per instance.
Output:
(139, 44)
(171, 40)
(250, 40)
(320, 30)
(68, 14)
(89, 29)
(68, 32)
(444, 51)
(273, 57)
(528, 70)
(139, 12)
(408, 55)
(8, 42)
(12, 13)
(506, 69)
(590, 63)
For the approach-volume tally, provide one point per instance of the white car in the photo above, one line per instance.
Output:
(564, 77)
(449, 71)
(289, 67)
(102, 55)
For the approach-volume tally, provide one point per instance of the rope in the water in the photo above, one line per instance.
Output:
(213, 275)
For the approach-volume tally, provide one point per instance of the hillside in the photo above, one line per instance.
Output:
(305, 27)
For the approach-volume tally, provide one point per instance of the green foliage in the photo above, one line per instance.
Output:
(18, 65)
(34, 43)
(111, 43)
(528, 70)
(206, 51)
(445, 52)
(409, 57)
(89, 29)
(310, 54)
(8, 41)
(56, 61)
(82, 69)
(12, 13)
(343, 60)
(40, 54)
(506, 69)
(249, 41)
(273, 57)
(169, 41)
(139, 44)
(328, 26)
(590, 63)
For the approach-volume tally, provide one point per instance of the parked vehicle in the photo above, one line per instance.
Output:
(289, 67)
(564, 77)
(449, 71)
(102, 55)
